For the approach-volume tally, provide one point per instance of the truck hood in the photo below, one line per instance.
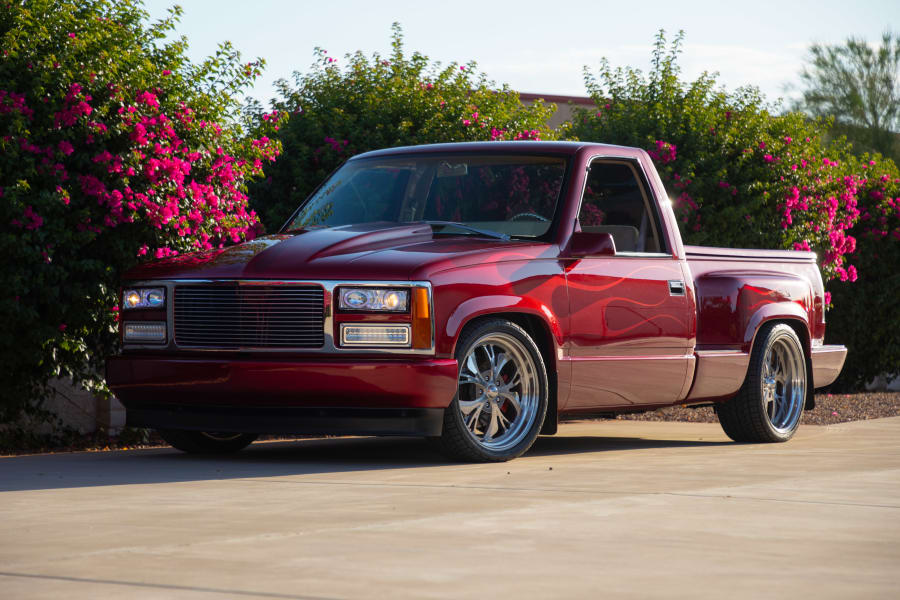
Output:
(355, 252)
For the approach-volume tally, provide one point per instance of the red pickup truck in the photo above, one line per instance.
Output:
(472, 293)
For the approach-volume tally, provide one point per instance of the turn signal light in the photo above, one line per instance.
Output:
(421, 319)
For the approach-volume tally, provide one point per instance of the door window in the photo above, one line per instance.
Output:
(615, 202)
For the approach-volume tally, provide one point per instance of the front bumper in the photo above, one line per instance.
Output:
(827, 362)
(401, 397)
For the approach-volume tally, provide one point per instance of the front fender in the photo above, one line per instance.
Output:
(487, 305)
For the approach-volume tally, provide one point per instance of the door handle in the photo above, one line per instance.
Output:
(676, 287)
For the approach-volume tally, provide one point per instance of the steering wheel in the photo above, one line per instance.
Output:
(529, 215)
(359, 202)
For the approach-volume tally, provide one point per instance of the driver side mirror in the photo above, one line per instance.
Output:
(589, 243)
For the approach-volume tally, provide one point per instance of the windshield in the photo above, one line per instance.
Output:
(513, 195)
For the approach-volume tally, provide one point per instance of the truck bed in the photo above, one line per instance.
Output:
(715, 253)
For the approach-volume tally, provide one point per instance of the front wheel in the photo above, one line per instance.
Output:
(501, 398)
(769, 405)
(206, 442)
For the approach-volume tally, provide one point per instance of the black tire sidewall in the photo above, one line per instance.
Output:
(198, 442)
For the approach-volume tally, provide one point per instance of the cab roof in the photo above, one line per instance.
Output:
(506, 147)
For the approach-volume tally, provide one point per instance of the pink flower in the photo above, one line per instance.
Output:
(827, 298)
(65, 147)
(62, 326)
(147, 98)
(72, 35)
(166, 72)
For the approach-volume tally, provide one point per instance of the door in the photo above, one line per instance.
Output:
(630, 316)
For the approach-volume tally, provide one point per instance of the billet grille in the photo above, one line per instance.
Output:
(249, 316)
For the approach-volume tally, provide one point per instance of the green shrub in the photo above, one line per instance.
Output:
(369, 103)
(737, 174)
(113, 147)
(865, 317)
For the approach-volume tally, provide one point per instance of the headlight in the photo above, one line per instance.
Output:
(144, 298)
(380, 299)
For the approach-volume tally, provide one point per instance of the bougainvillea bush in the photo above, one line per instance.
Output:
(737, 174)
(740, 175)
(344, 106)
(114, 148)
(865, 317)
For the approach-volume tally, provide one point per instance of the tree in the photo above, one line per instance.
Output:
(858, 85)
(114, 148)
(342, 107)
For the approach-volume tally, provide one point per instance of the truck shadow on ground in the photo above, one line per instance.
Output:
(278, 459)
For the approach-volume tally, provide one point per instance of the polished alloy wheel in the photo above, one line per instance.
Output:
(783, 384)
(769, 405)
(499, 391)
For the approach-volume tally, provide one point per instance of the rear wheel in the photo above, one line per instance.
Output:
(206, 442)
(501, 397)
(769, 405)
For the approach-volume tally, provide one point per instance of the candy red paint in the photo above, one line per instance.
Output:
(613, 335)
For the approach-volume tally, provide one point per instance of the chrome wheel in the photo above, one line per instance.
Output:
(769, 405)
(783, 385)
(499, 392)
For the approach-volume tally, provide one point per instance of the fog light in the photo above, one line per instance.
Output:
(374, 335)
(146, 332)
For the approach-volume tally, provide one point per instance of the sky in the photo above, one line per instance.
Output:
(539, 47)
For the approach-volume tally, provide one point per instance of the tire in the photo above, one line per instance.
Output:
(202, 442)
(770, 403)
(501, 398)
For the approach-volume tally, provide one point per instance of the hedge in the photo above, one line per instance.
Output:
(114, 147)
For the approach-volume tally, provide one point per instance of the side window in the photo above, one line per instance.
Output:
(615, 202)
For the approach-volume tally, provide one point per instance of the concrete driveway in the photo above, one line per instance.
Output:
(605, 509)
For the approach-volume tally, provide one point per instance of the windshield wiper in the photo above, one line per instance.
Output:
(485, 232)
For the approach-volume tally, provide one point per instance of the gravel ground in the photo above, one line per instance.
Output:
(830, 409)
